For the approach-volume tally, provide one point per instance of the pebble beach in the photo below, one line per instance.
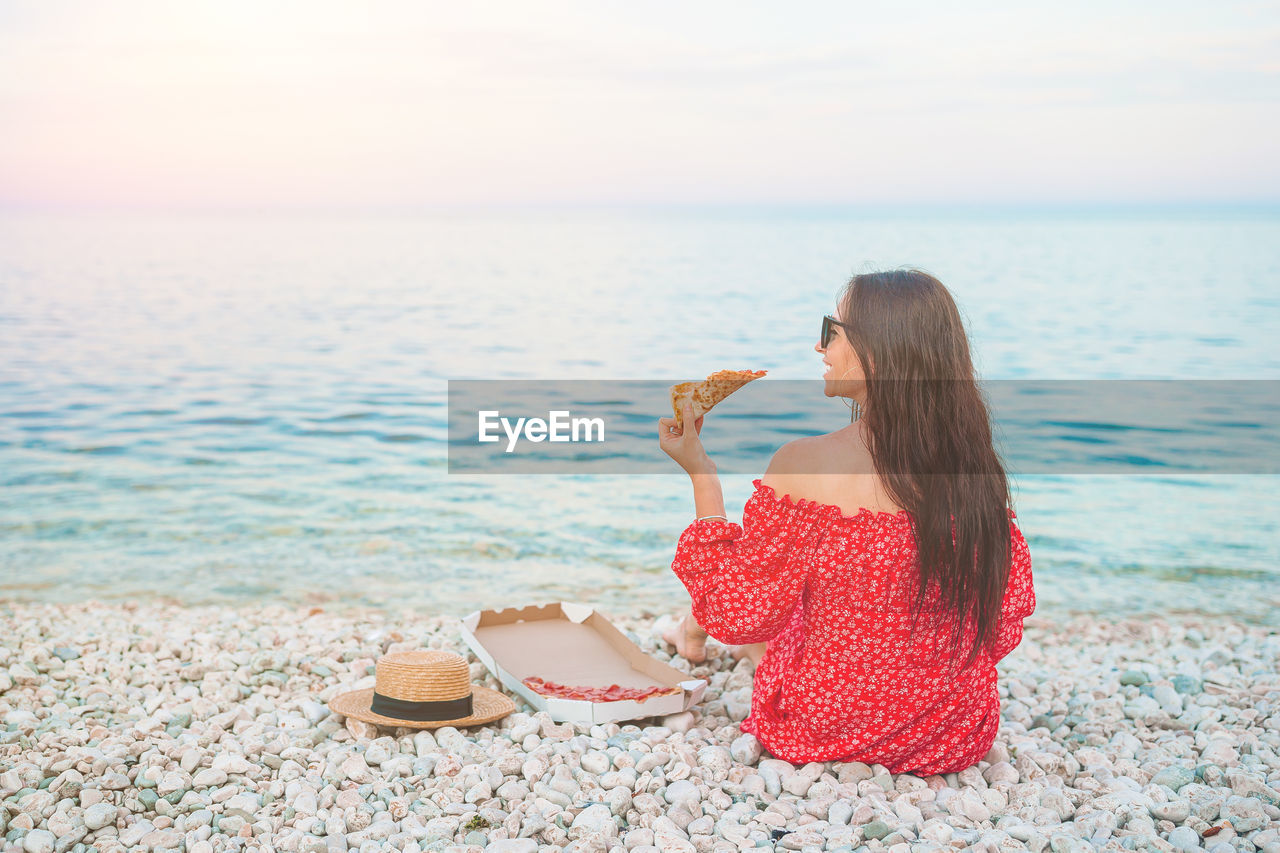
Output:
(153, 726)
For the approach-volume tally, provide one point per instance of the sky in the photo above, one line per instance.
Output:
(398, 105)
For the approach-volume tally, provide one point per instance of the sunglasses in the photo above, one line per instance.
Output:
(829, 324)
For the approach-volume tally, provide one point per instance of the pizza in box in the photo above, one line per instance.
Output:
(612, 693)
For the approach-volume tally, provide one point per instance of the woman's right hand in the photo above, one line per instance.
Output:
(685, 445)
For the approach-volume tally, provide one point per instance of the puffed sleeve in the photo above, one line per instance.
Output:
(745, 580)
(1019, 596)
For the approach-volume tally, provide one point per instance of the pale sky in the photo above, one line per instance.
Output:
(388, 104)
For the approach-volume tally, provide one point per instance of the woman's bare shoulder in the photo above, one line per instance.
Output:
(801, 466)
(827, 469)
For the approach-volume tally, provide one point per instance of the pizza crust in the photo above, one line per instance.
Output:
(709, 391)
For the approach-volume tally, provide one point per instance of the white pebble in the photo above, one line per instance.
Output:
(745, 749)
(680, 722)
(683, 792)
(209, 777)
(38, 841)
(100, 815)
(595, 762)
(512, 845)
(593, 819)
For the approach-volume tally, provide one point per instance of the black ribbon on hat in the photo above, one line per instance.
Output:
(403, 709)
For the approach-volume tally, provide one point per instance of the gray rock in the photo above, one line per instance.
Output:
(1206, 803)
(60, 824)
(667, 836)
(1245, 785)
(853, 771)
(133, 833)
(20, 673)
(314, 711)
(877, 829)
(99, 815)
(737, 704)
(113, 781)
(1133, 676)
(622, 740)
(714, 762)
(840, 812)
(1141, 707)
(595, 762)
(745, 749)
(379, 751)
(683, 792)
(637, 837)
(971, 806)
(161, 839)
(231, 824)
(71, 839)
(680, 722)
(1187, 685)
(512, 845)
(1174, 777)
(1169, 700)
(354, 768)
(1184, 838)
(1245, 813)
(1211, 774)
(209, 777)
(594, 819)
(39, 841)
(1175, 810)
(1001, 771)
(801, 839)
(772, 780)
(1063, 843)
(1220, 751)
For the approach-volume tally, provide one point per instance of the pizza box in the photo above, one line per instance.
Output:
(572, 643)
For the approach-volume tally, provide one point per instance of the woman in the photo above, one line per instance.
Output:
(876, 638)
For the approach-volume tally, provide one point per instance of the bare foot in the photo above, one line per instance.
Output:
(755, 651)
(688, 638)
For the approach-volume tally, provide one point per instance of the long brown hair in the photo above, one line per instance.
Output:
(929, 435)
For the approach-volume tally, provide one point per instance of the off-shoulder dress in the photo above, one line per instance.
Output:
(831, 593)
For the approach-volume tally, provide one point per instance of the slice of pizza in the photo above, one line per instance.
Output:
(709, 391)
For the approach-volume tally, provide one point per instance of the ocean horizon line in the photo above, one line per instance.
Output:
(729, 210)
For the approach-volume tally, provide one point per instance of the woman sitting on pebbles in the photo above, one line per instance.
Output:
(875, 636)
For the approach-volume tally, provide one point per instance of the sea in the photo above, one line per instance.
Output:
(245, 407)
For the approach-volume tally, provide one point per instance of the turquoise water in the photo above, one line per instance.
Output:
(229, 409)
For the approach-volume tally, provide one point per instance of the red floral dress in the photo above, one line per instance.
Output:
(831, 593)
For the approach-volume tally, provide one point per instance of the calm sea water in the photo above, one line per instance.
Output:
(222, 409)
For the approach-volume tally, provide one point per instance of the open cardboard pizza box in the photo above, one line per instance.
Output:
(572, 643)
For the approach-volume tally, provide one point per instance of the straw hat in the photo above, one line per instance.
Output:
(423, 689)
